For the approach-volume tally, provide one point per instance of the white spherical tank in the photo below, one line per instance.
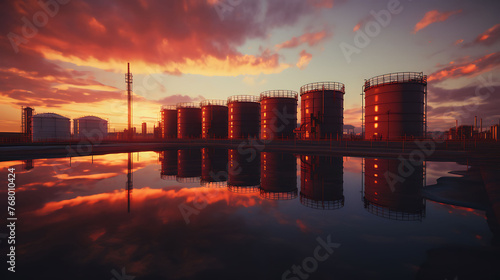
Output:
(50, 126)
(90, 128)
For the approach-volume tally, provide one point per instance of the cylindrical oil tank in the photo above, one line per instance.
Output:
(322, 182)
(188, 165)
(214, 167)
(169, 122)
(214, 115)
(243, 171)
(391, 194)
(395, 106)
(322, 110)
(278, 176)
(244, 116)
(50, 126)
(188, 120)
(278, 114)
(168, 159)
(90, 128)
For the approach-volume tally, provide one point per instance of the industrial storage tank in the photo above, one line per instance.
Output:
(188, 165)
(90, 128)
(395, 106)
(278, 114)
(214, 115)
(214, 167)
(169, 122)
(168, 159)
(50, 126)
(322, 110)
(244, 116)
(390, 194)
(322, 182)
(243, 171)
(188, 120)
(278, 176)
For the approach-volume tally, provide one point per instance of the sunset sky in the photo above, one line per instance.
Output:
(70, 56)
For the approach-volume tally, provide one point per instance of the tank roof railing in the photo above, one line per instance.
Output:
(211, 184)
(321, 204)
(394, 78)
(279, 93)
(322, 86)
(243, 189)
(287, 195)
(169, 107)
(394, 214)
(187, 179)
(215, 102)
(188, 105)
(243, 98)
(51, 115)
(91, 117)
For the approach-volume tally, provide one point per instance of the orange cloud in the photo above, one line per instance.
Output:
(488, 37)
(467, 68)
(432, 17)
(310, 38)
(181, 37)
(304, 59)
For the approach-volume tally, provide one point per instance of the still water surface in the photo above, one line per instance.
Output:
(179, 214)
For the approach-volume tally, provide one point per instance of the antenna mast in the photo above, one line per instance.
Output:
(129, 80)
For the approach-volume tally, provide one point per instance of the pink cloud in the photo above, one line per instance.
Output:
(432, 17)
(488, 37)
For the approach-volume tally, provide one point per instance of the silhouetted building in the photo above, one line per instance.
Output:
(460, 133)
(27, 123)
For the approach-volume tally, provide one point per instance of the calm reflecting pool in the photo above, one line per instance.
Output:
(226, 214)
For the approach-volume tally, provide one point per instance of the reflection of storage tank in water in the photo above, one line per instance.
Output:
(188, 120)
(322, 182)
(278, 114)
(188, 165)
(244, 174)
(244, 116)
(169, 121)
(90, 128)
(278, 176)
(50, 126)
(395, 105)
(386, 196)
(214, 115)
(168, 159)
(322, 110)
(213, 167)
